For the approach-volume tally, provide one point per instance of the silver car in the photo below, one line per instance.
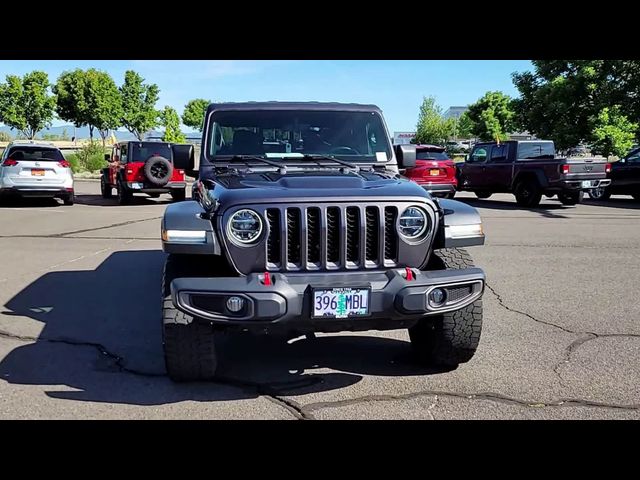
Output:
(35, 169)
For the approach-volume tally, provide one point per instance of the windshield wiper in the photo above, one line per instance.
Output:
(352, 166)
(245, 158)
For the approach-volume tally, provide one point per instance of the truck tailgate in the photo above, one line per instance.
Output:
(584, 168)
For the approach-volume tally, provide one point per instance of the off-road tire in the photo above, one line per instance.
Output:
(189, 344)
(158, 171)
(68, 200)
(451, 338)
(482, 195)
(636, 196)
(179, 194)
(528, 193)
(601, 193)
(105, 189)
(124, 196)
(571, 198)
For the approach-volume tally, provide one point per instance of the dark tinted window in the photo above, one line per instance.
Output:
(35, 153)
(634, 157)
(536, 150)
(140, 152)
(356, 136)
(500, 153)
(479, 154)
(431, 155)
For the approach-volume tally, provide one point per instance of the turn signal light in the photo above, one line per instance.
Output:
(607, 168)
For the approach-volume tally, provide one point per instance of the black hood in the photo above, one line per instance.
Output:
(305, 186)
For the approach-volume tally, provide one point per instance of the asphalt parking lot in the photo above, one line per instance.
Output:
(80, 328)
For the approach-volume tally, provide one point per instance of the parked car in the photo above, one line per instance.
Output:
(624, 176)
(35, 169)
(434, 171)
(320, 240)
(143, 167)
(529, 169)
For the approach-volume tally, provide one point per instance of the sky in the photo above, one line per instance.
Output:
(396, 86)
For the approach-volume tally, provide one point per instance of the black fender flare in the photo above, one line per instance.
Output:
(189, 216)
(536, 173)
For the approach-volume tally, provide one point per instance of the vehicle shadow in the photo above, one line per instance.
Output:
(17, 202)
(137, 200)
(615, 202)
(101, 342)
(544, 209)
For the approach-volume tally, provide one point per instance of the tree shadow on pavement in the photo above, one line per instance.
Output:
(544, 209)
(101, 342)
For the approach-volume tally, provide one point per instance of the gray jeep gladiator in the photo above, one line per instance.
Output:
(300, 222)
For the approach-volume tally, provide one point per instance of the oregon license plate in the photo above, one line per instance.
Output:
(37, 172)
(586, 184)
(340, 302)
(434, 172)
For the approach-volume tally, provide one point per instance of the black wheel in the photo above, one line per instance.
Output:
(482, 195)
(105, 188)
(124, 196)
(528, 193)
(69, 200)
(599, 193)
(189, 344)
(179, 195)
(158, 170)
(570, 198)
(450, 338)
(153, 195)
(636, 196)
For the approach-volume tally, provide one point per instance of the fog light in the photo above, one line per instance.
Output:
(437, 297)
(235, 304)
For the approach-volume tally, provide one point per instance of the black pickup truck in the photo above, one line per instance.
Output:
(530, 169)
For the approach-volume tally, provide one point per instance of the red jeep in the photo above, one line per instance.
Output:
(434, 171)
(142, 167)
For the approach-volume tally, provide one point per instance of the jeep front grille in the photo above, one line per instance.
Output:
(331, 237)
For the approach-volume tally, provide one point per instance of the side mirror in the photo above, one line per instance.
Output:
(406, 156)
(183, 157)
(107, 157)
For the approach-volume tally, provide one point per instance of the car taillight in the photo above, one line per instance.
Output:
(565, 168)
(64, 164)
(607, 168)
(9, 162)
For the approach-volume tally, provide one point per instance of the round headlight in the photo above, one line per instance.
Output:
(244, 227)
(412, 223)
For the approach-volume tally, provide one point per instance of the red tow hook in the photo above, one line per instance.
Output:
(266, 280)
(409, 276)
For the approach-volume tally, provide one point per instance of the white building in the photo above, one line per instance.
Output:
(403, 138)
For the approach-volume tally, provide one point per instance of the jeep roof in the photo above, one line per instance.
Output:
(273, 105)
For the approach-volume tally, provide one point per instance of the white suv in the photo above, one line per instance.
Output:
(35, 169)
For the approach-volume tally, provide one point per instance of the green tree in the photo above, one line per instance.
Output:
(171, 122)
(5, 137)
(138, 103)
(561, 99)
(104, 102)
(613, 133)
(26, 104)
(492, 117)
(464, 126)
(432, 127)
(194, 111)
(71, 98)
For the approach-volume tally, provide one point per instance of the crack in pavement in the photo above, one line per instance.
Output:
(555, 245)
(85, 230)
(82, 238)
(583, 338)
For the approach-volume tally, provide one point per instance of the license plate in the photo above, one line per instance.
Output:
(434, 172)
(586, 184)
(340, 302)
(37, 172)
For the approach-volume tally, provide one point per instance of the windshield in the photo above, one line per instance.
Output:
(431, 155)
(351, 136)
(140, 152)
(41, 154)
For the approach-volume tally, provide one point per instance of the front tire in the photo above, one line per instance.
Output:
(450, 338)
(189, 344)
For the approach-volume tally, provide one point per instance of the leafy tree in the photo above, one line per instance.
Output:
(171, 122)
(432, 127)
(463, 126)
(138, 103)
(194, 111)
(26, 104)
(562, 99)
(492, 117)
(103, 101)
(71, 98)
(613, 132)
(5, 137)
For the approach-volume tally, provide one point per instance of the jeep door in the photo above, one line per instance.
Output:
(625, 174)
(498, 173)
(473, 171)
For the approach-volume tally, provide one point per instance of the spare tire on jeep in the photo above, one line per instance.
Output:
(158, 170)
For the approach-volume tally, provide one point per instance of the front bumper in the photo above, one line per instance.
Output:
(439, 188)
(289, 299)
